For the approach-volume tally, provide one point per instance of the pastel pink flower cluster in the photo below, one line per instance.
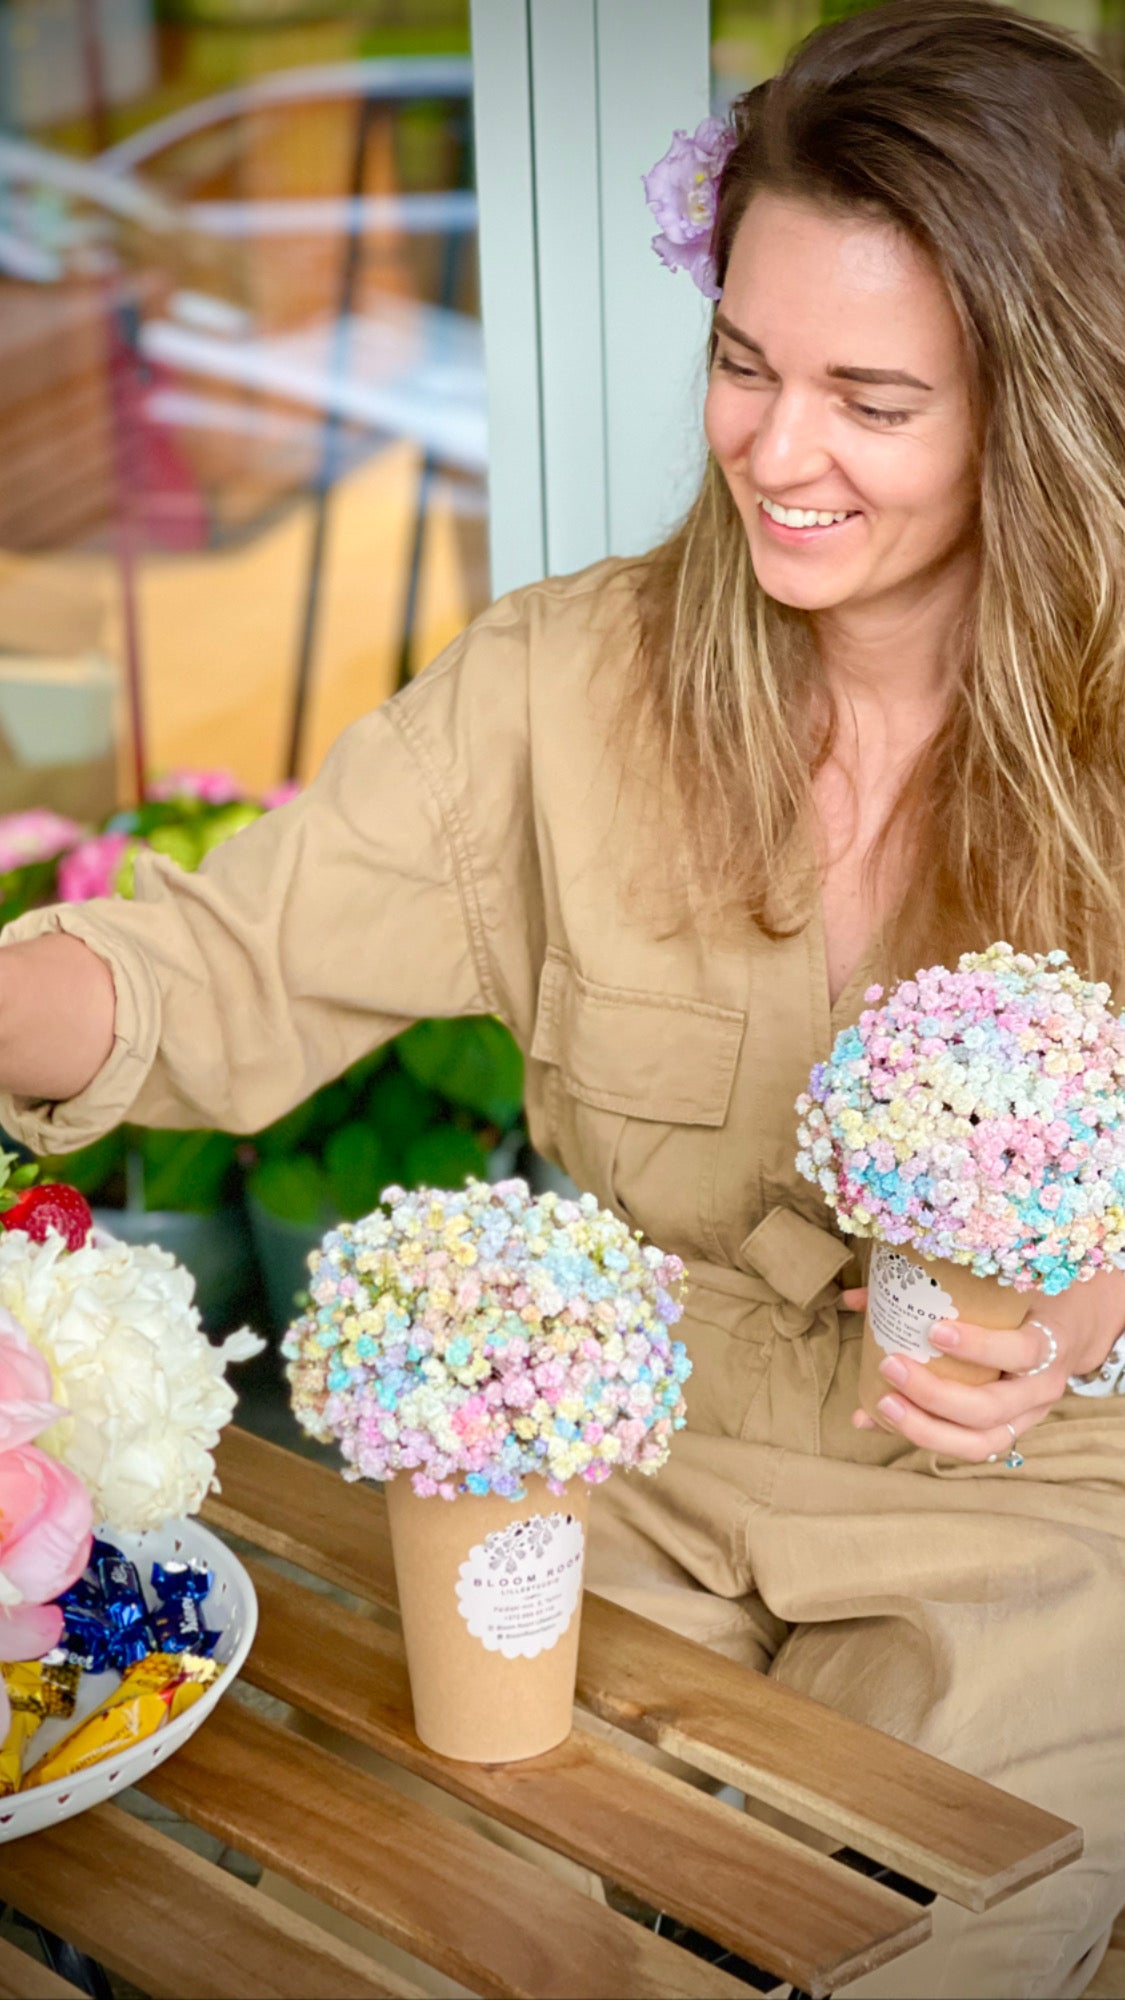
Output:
(45, 1510)
(979, 1115)
(473, 1336)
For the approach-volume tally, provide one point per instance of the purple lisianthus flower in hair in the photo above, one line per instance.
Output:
(682, 192)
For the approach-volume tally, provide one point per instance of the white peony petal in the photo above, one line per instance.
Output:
(144, 1388)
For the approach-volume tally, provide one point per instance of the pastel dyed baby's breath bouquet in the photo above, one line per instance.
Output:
(472, 1337)
(979, 1116)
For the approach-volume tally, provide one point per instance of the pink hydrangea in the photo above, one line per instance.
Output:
(211, 788)
(37, 835)
(280, 795)
(91, 869)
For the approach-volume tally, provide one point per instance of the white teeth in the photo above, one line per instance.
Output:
(799, 517)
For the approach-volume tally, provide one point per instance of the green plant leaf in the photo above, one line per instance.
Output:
(92, 1168)
(286, 1134)
(186, 1170)
(358, 1169)
(182, 844)
(295, 1190)
(27, 887)
(443, 1157)
(227, 821)
(398, 1109)
(474, 1063)
(360, 1074)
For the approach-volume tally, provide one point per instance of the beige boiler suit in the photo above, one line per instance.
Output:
(463, 851)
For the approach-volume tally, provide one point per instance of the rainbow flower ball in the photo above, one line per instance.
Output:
(979, 1115)
(472, 1336)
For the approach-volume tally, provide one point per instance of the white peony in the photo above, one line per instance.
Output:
(143, 1386)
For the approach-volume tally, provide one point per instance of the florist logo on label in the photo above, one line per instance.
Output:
(519, 1589)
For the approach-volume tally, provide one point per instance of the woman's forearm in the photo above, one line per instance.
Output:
(56, 1017)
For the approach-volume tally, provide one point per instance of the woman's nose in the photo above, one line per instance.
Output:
(788, 448)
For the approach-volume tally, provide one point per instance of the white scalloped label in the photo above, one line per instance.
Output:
(519, 1589)
(903, 1301)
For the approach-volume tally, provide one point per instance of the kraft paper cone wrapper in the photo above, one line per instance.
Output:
(491, 1597)
(906, 1293)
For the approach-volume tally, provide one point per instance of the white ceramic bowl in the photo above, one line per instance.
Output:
(231, 1607)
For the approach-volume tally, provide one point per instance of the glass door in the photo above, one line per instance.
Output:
(242, 399)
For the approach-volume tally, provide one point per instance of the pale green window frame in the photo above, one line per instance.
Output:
(594, 353)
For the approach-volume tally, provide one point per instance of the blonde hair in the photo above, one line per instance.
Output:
(998, 145)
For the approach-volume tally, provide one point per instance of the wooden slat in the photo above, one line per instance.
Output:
(808, 1920)
(486, 1918)
(964, 1838)
(176, 1926)
(24, 1978)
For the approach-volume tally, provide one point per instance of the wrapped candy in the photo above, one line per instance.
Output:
(153, 1691)
(36, 1689)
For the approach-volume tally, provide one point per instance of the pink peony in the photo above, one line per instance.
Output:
(45, 1523)
(92, 868)
(34, 836)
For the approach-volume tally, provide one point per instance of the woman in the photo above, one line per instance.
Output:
(668, 818)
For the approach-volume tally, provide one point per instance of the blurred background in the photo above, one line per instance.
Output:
(244, 434)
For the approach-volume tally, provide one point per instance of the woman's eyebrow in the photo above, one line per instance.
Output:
(877, 377)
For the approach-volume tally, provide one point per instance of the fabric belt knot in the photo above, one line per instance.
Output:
(798, 1262)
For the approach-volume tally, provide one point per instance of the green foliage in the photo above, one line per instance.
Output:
(193, 1171)
(358, 1166)
(296, 1190)
(25, 888)
(93, 1170)
(442, 1157)
(426, 1109)
(474, 1063)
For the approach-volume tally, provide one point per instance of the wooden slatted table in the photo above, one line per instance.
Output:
(126, 1894)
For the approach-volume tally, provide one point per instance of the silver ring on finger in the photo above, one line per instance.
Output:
(1052, 1354)
(1015, 1458)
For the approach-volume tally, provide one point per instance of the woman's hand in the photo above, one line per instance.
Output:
(962, 1421)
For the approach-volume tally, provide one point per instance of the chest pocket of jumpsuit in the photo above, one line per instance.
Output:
(638, 1086)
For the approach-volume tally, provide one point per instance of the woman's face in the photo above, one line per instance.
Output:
(840, 386)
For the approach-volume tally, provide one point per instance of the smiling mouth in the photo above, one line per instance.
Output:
(804, 523)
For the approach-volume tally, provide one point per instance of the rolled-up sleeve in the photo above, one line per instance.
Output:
(320, 931)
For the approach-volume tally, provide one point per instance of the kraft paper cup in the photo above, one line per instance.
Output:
(491, 1598)
(906, 1294)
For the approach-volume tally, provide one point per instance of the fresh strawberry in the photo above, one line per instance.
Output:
(52, 1206)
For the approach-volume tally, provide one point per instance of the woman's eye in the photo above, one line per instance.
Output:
(730, 367)
(889, 417)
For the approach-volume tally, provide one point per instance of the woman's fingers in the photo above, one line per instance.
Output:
(1011, 1350)
(952, 1440)
(855, 1300)
(978, 1406)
